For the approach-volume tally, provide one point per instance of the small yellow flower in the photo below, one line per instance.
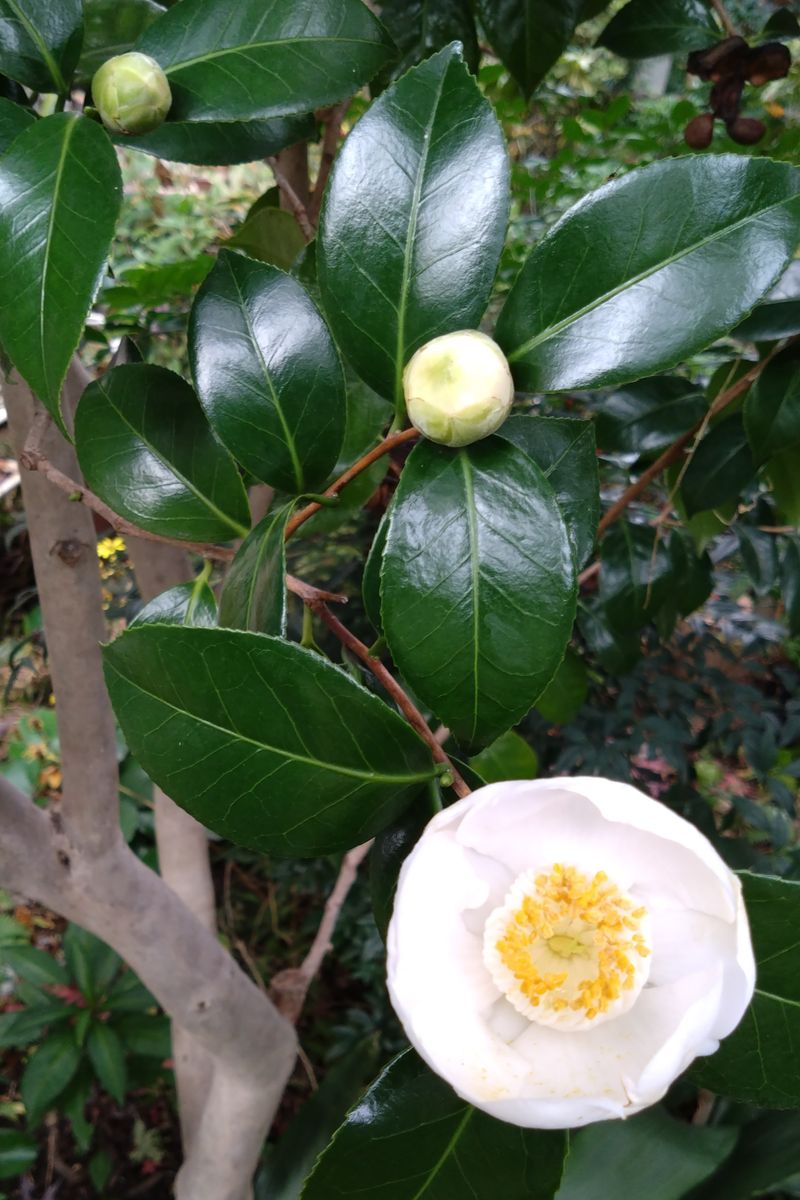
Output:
(110, 547)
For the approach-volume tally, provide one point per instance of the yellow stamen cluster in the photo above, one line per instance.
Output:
(565, 943)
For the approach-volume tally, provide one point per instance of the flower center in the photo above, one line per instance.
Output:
(568, 950)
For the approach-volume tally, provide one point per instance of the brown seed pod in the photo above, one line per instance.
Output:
(699, 132)
(726, 98)
(767, 62)
(746, 130)
(720, 61)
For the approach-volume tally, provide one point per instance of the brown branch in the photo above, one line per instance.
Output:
(296, 205)
(725, 18)
(366, 460)
(32, 459)
(332, 121)
(289, 988)
(406, 706)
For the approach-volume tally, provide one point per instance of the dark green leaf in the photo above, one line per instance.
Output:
(101, 1166)
(40, 42)
(421, 27)
(509, 757)
(759, 1062)
(73, 1105)
(271, 235)
(617, 652)
(770, 322)
(390, 850)
(783, 472)
(411, 1136)
(145, 1035)
(221, 143)
(645, 28)
(261, 740)
(371, 584)
(790, 584)
(34, 965)
(759, 553)
(772, 406)
(563, 698)
(232, 60)
(112, 27)
(129, 994)
(309, 1133)
(48, 1071)
(60, 191)
(108, 1059)
(150, 286)
(592, 8)
(18, 1153)
(478, 584)
(92, 964)
(28, 1024)
(646, 417)
(268, 373)
(414, 219)
(14, 120)
(145, 447)
(767, 1153)
(671, 262)
(636, 575)
(650, 1155)
(184, 604)
(253, 595)
(566, 452)
(782, 24)
(529, 35)
(721, 466)
(694, 571)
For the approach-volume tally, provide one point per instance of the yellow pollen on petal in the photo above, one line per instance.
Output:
(568, 949)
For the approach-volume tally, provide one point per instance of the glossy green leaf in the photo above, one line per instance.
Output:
(270, 235)
(783, 472)
(790, 584)
(40, 42)
(760, 1062)
(721, 466)
(48, 1071)
(253, 594)
(565, 450)
(145, 448)
(14, 120)
(92, 964)
(411, 1136)
(648, 416)
(33, 965)
(267, 373)
(617, 651)
(185, 604)
(371, 583)
(60, 192)
(529, 35)
(695, 571)
(645, 28)
(144, 1034)
(671, 263)
(307, 1136)
(772, 406)
(232, 60)
(508, 757)
(107, 1055)
(759, 551)
(636, 575)
(770, 322)
(766, 1154)
(414, 219)
(651, 1154)
(391, 848)
(563, 698)
(18, 1153)
(478, 584)
(221, 143)
(421, 27)
(264, 742)
(111, 27)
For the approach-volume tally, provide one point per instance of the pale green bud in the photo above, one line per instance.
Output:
(458, 388)
(131, 93)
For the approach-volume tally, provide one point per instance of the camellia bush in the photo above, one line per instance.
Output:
(562, 952)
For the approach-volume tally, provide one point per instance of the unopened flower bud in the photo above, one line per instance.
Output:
(458, 388)
(746, 130)
(131, 93)
(699, 132)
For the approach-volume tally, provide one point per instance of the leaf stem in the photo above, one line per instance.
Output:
(725, 18)
(295, 203)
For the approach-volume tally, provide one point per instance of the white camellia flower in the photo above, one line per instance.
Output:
(458, 388)
(561, 950)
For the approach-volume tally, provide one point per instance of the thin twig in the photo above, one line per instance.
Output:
(366, 460)
(403, 702)
(295, 203)
(32, 459)
(725, 18)
(332, 121)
